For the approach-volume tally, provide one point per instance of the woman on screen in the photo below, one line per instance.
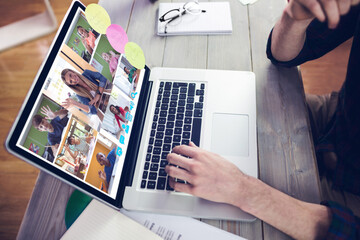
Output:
(88, 87)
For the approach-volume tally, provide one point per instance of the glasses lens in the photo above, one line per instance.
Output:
(192, 8)
(173, 17)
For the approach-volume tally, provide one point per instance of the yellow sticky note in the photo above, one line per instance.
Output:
(97, 17)
(135, 55)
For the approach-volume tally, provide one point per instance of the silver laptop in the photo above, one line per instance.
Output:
(115, 149)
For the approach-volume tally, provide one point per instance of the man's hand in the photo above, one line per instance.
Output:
(329, 10)
(49, 114)
(208, 175)
(102, 175)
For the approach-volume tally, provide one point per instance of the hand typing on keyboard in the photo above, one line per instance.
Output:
(207, 174)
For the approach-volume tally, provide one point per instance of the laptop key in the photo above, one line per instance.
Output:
(202, 86)
(151, 141)
(199, 105)
(181, 102)
(168, 185)
(157, 150)
(164, 155)
(154, 167)
(149, 149)
(166, 100)
(159, 135)
(152, 133)
(188, 114)
(167, 147)
(153, 125)
(179, 116)
(189, 106)
(168, 85)
(157, 110)
(190, 100)
(156, 117)
(191, 90)
(155, 158)
(167, 139)
(178, 131)
(163, 114)
(169, 132)
(172, 110)
(163, 163)
(143, 184)
(176, 138)
(179, 123)
(162, 120)
(166, 94)
(187, 127)
(145, 175)
(179, 84)
(152, 176)
(162, 172)
(185, 135)
(201, 99)
(174, 97)
(188, 120)
(161, 84)
(148, 157)
(161, 127)
(183, 90)
(158, 143)
(185, 141)
(181, 109)
(147, 165)
(175, 90)
(161, 183)
(158, 103)
(171, 117)
(195, 133)
(164, 106)
(161, 90)
(170, 124)
(182, 96)
(197, 113)
(175, 144)
(151, 184)
(173, 104)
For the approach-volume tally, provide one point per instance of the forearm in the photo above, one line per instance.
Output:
(288, 37)
(83, 107)
(298, 219)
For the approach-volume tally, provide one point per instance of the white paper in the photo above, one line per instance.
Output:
(246, 2)
(99, 221)
(179, 228)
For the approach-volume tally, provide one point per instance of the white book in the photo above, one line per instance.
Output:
(215, 20)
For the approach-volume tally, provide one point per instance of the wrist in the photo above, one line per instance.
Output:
(290, 21)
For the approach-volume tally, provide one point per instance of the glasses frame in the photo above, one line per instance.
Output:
(182, 11)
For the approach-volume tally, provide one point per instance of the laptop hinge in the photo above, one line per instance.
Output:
(136, 134)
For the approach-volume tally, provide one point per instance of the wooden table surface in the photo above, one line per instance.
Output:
(285, 150)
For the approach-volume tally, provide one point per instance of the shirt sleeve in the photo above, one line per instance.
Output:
(344, 224)
(320, 39)
(86, 101)
(96, 75)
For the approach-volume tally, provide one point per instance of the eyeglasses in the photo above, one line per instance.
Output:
(174, 16)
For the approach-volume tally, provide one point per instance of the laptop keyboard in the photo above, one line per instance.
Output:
(177, 120)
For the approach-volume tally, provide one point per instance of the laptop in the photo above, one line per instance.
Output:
(96, 122)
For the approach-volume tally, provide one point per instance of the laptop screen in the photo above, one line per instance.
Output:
(82, 117)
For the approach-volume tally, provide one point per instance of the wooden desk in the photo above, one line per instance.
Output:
(286, 154)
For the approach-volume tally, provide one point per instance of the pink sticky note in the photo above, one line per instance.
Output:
(117, 37)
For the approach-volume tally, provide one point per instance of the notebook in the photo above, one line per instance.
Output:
(115, 150)
(215, 20)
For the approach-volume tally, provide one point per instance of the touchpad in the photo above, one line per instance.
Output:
(230, 134)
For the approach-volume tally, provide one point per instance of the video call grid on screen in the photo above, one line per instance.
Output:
(70, 127)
